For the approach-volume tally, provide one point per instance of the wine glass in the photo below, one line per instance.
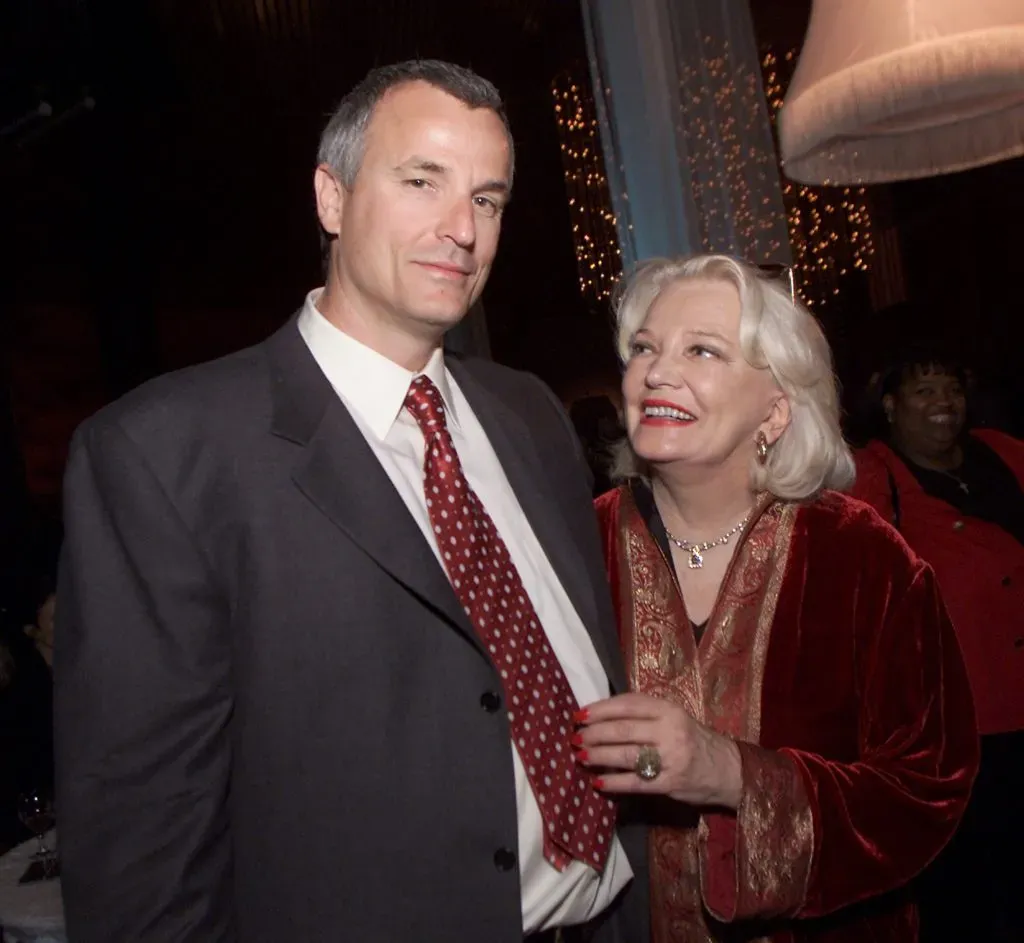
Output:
(35, 809)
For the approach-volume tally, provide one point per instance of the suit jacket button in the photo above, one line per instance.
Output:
(504, 860)
(958, 525)
(1006, 581)
(1018, 642)
(490, 701)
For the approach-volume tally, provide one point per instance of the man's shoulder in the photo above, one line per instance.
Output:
(524, 392)
(209, 399)
(495, 375)
(524, 395)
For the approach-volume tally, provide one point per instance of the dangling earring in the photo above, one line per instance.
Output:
(762, 448)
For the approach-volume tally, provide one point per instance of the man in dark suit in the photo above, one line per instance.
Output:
(328, 605)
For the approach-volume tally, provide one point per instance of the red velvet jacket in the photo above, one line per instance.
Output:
(980, 569)
(830, 659)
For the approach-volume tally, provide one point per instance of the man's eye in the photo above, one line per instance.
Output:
(487, 205)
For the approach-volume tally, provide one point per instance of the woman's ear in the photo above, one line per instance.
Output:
(889, 405)
(778, 419)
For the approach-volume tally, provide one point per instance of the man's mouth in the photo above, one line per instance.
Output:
(446, 270)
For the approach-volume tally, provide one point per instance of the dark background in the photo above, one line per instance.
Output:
(172, 220)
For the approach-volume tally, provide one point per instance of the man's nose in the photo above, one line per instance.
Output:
(459, 223)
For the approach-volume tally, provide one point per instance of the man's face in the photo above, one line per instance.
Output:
(419, 228)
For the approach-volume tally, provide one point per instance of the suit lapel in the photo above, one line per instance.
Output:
(513, 443)
(340, 474)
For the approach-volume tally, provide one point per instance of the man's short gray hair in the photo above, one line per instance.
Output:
(343, 141)
(776, 333)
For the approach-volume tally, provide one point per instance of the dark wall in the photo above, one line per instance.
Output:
(173, 221)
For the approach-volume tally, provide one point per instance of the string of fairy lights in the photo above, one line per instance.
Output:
(598, 256)
(732, 167)
(830, 229)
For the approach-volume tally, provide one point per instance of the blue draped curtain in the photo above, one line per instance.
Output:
(685, 129)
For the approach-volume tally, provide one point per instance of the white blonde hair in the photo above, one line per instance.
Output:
(776, 333)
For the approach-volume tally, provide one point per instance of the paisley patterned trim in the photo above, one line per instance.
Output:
(718, 682)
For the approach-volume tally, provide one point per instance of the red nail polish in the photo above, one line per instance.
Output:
(576, 740)
(599, 784)
(581, 756)
(581, 716)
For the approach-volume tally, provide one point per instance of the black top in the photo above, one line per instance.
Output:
(983, 487)
(644, 499)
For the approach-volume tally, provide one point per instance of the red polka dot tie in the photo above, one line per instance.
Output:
(578, 821)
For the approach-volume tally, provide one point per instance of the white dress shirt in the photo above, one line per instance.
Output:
(373, 390)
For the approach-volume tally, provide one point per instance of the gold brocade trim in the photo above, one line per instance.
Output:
(774, 814)
(718, 682)
(781, 542)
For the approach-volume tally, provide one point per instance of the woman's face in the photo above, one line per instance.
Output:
(690, 395)
(928, 411)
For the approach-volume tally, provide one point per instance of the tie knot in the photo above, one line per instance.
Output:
(424, 402)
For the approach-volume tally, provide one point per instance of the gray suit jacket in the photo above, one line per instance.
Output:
(274, 721)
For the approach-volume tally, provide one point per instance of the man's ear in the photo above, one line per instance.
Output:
(330, 199)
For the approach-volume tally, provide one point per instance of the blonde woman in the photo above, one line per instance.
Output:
(800, 737)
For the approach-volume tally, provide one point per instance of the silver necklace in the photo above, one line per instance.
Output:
(697, 551)
(961, 484)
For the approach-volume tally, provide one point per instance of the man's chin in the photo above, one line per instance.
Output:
(442, 317)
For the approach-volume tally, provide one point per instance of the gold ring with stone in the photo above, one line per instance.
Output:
(648, 763)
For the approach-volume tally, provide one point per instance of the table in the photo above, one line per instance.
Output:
(29, 913)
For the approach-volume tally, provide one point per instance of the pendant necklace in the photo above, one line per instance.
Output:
(697, 550)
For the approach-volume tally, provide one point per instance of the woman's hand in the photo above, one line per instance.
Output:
(698, 766)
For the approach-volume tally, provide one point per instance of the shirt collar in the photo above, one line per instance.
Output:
(371, 386)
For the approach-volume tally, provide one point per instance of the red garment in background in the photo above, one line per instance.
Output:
(980, 570)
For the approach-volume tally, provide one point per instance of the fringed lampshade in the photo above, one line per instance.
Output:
(898, 89)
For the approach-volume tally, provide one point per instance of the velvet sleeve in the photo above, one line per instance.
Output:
(813, 835)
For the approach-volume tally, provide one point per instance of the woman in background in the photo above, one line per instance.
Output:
(956, 497)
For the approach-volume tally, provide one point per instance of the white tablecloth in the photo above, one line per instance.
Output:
(29, 913)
